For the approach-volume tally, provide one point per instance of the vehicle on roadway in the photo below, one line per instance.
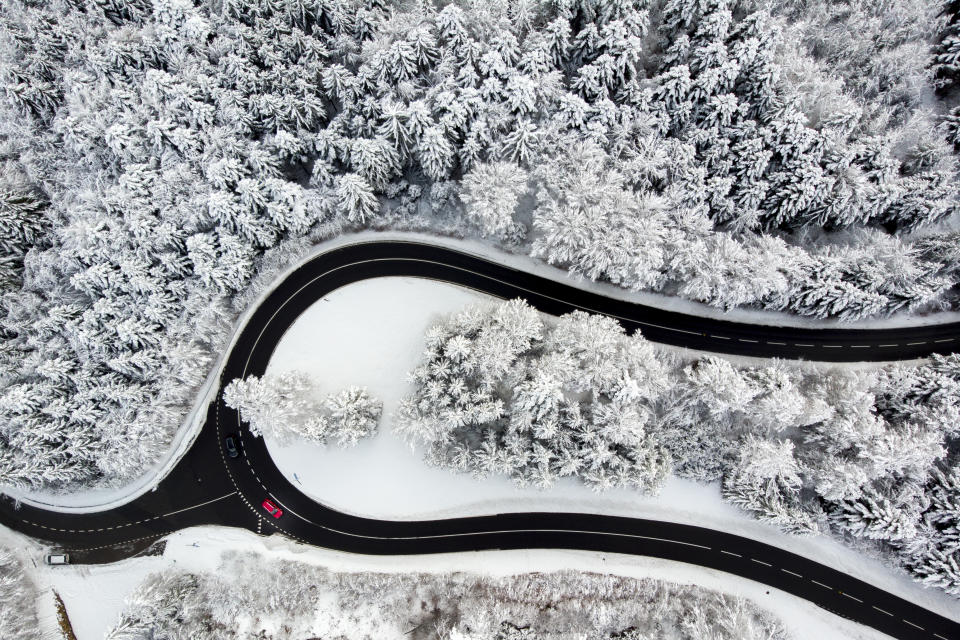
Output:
(231, 444)
(272, 509)
(56, 558)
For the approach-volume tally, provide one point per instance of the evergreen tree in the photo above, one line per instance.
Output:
(490, 194)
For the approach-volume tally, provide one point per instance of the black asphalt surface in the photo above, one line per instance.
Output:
(207, 487)
(393, 258)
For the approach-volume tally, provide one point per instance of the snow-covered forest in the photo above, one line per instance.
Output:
(254, 597)
(155, 154)
(870, 456)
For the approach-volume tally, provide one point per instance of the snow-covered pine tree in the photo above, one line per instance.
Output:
(490, 193)
(354, 415)
(765, 480)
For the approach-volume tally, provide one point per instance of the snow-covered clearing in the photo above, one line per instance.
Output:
(371, 333)
(94, 595)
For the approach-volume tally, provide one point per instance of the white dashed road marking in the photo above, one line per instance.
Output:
(130, 524)
(586, 308)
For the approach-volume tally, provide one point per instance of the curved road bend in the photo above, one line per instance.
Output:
(209, 488)
(345, 265)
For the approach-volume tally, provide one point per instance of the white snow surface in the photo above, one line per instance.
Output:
(371, 334)
(94, 595)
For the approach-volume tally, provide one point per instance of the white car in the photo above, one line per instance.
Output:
(57, 558)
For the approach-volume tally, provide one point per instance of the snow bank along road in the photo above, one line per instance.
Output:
(208, 487)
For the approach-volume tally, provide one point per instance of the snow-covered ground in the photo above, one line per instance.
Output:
(94, 595)
(371, 333)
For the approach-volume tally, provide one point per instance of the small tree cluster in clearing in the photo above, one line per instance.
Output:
(286, 407)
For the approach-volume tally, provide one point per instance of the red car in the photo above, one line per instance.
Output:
(272, 509)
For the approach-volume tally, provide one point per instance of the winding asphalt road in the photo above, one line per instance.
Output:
(207, 487)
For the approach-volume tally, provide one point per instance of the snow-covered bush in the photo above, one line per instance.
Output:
(18, 598)
(286, 407)
(252, 597)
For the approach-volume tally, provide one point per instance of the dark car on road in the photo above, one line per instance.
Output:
(231, 444)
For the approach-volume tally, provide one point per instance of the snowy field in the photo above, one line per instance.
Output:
(371, 334)
(94, 595)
